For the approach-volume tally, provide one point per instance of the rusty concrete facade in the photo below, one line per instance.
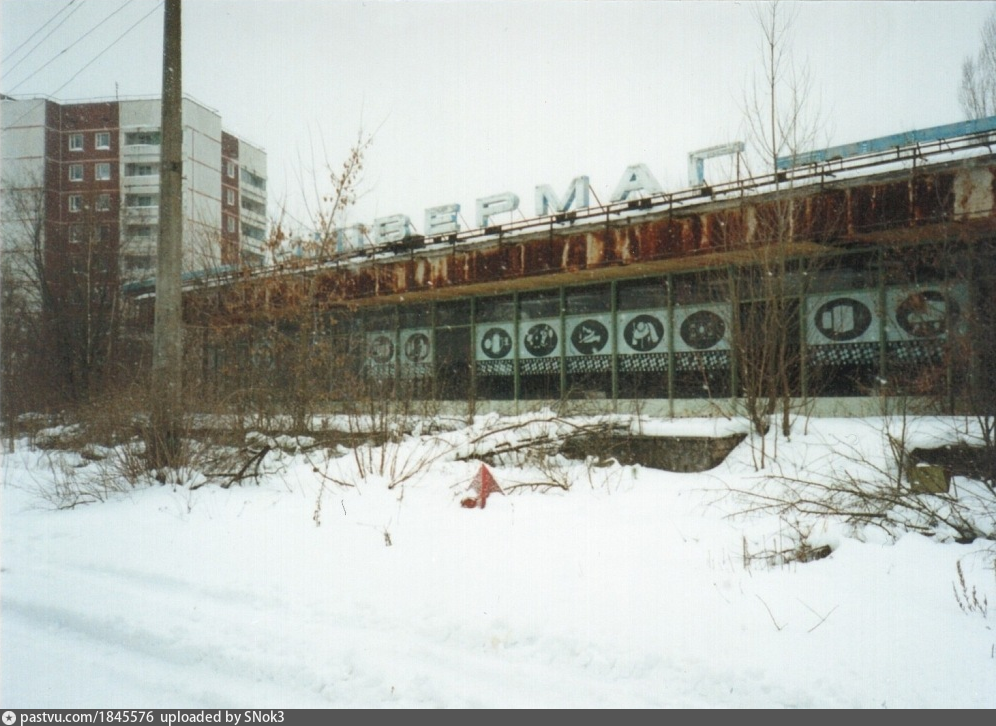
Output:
(943, 202)
(937, 204)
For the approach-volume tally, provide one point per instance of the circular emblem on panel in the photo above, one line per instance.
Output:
(381, 349)
(541, 340)
(702, 330)
(589, 336)
(496, 343)
(417, 347)
(643, 333)
(925, 314)
(262, 355)
(843, 319)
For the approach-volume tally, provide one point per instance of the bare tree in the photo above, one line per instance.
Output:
(977, 93)
(61, 298)
(269, 339)
(780, 121)
(327, 193)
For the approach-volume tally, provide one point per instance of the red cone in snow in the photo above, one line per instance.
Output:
(483, 485)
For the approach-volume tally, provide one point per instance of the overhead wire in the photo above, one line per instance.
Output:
(92, 60)
(109, 46)
(47, 35)
(58, 55)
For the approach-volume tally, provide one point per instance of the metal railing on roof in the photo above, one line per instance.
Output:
(792, 172)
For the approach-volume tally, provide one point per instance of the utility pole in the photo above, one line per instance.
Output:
(164, 440)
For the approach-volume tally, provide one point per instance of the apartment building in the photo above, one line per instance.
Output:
(89, 171)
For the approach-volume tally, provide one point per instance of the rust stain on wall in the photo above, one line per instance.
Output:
(595, 250)
(823, 214)
(620, 250)
(933, 198)
(575, 255)
(543, 255)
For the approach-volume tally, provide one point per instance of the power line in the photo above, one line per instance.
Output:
(46, 35)
(78, 40)
(92, 61)
(28, 39)
(111, 45)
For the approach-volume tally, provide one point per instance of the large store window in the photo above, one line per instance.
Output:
(347, 357)
(588, 341)
(416, 351)
(926, 311)
(494, 347)
(454, 350)
(380, 361)
(703, 335)
(843, 326)
(643, 338)
(765, 340)
(541, 345)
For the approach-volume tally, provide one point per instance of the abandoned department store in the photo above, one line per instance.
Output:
(866, 271)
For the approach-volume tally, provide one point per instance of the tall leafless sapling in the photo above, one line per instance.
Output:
(779, 121)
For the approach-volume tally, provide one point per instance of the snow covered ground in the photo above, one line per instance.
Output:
(633, 588)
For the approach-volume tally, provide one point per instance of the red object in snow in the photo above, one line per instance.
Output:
(483, 485)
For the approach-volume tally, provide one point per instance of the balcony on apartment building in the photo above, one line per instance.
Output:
(140, 176)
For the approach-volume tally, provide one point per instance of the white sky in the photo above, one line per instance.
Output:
(470, 99)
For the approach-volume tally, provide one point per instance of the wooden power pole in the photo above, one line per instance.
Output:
(164, 440)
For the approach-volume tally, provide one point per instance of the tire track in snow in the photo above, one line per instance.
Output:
(207, 643)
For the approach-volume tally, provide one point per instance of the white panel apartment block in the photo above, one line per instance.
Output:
(139, 148)
(24, 142)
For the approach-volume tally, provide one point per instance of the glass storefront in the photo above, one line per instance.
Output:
(849, 325)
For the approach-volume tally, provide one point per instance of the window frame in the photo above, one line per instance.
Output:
(75, 203)
(76, 173)
(102, 203)
(97, 169)
(153, 201)
(143, 138)
(76, 142)
(140, 231)
(141, 169)
(96, 140)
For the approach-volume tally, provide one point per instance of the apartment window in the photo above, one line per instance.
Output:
(75, 172)
(230, 196)
(143, 138)
(253, 180)
(76, 235)
(76, 142)
(142, 230)
(103, 203)
(75, 203)
(141, 200)
(102, 140)
(252, 232)
(230, 223)
(230, 168)
(251, 205)
(103, 172)
(141, 170)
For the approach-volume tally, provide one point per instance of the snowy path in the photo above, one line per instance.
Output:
(236, 599)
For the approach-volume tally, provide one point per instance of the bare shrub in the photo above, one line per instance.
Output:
(867, 482)
(793, 545)
(967, 596)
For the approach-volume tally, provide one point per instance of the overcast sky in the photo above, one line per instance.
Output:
(469, 99)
